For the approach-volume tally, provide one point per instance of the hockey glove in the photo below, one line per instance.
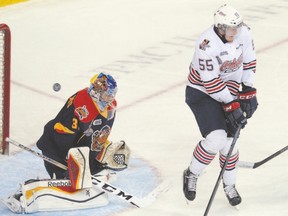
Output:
(248, 101)
(234, 114)
(115, 156)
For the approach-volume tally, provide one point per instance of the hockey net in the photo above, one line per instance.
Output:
(5, 49)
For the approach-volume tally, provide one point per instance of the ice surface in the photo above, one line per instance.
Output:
(147, 46)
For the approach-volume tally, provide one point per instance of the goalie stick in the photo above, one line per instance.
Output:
(104, 186)
(251, 165)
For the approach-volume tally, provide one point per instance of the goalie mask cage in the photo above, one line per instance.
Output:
(5, 49)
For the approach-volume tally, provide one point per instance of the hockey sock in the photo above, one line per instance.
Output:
(229, 176)
(201, 158)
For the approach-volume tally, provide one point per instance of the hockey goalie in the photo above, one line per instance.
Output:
(78, 139)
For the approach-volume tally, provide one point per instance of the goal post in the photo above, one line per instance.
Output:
(5, 57)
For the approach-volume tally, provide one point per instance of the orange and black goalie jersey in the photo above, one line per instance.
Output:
(79, 123)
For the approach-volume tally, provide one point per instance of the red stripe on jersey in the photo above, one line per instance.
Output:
(194, 77)
(193, 80)
(249, 65)
(233, 87)
(215, 89)
(233, 84)
(213, 82)
(233, 91)
(195, 73)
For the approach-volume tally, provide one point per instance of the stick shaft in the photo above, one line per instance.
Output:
(270, 157)
(50, 160)
(260, 163)
(222, 171)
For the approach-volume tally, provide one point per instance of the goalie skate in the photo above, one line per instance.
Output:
(13, 202)
(232, 195)
(189, 184)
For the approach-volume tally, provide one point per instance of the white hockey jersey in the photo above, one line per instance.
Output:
(219, 68)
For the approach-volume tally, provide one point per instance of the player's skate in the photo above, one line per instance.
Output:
(189, 184)
(232, 195)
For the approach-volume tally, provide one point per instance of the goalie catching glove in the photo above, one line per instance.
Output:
(248, 100)
(114, 155)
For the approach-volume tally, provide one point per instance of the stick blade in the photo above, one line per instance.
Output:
(153, 195)
(244, 164)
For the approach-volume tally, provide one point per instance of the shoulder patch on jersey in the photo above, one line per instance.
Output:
(85, 108)
(82, 112)
(204, 44)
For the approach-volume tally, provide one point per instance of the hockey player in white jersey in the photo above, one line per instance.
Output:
(221, 95)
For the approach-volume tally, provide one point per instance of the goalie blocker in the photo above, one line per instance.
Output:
(76, 193)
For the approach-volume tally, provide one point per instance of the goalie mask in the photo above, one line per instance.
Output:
(228, 21)
(103, 89)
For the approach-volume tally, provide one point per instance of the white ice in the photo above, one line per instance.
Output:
(147, 45)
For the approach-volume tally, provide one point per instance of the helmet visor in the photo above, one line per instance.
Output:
(108, 96)
(231, 31)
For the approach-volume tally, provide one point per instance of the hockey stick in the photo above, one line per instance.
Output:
(222, 170)
(251, 165)
(104, 186)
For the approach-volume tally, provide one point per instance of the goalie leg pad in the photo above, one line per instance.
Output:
(78, 167)
(54, 195)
